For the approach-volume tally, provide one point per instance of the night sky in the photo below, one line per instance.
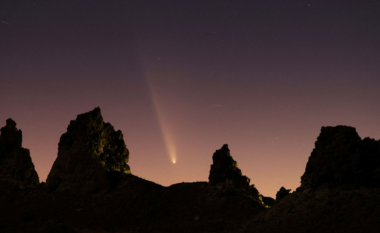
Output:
(182, 78)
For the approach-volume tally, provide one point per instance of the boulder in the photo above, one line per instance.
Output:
(283, 192)
(92, 156)
(15, 162)
(268, 201)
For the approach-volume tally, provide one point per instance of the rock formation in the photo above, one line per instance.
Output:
(340, 157)
(15, 162)
(225, 174)
(282, 193)
(339, 192)
(92, 156)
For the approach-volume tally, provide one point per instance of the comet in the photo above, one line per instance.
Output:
(163, 120)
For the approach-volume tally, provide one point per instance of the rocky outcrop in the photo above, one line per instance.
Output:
(340, 157)
(339, 192)
(283, 192)
(226, 175)
(92, 156)
(15, 161)
(324, 209)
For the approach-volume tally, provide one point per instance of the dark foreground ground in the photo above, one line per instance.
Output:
(142, 206)
(136, 206)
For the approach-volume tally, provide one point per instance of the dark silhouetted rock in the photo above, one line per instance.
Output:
(340, 157)
(15, 162)
(324, 209)
(225, 173)
(282, 193)
(92, 156)
(268, 201)
(339, 190)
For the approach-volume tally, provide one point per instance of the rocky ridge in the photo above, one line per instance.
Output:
(339, 190)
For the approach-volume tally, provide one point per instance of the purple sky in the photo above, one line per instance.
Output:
(182, 78)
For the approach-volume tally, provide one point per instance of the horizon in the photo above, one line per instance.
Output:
(180, 79)
(174, 161)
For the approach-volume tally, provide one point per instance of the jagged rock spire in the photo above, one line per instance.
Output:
(225, 168)
(225, 173)
(15, 161)
(88, 153)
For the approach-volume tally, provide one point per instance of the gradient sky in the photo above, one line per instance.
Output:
(182, 78)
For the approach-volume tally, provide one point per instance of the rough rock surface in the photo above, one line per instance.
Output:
(92, 156)
(340, 157)
(325, 209)
(15, 161)
(226, 175)
(283, 192)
